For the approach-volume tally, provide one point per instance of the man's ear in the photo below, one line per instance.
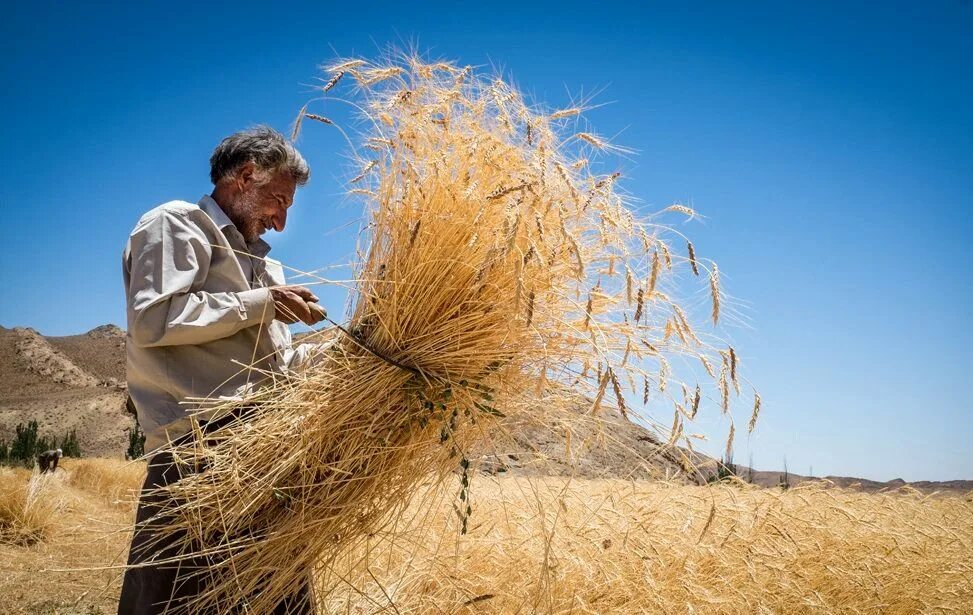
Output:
(245, 176)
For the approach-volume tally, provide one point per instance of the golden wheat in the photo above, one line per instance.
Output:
(453, 325)
(560, 545)
(556, 546)
(29, 503)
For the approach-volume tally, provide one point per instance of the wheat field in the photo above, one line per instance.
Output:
(547, 545)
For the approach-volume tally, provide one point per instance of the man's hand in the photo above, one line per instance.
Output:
(296, 303)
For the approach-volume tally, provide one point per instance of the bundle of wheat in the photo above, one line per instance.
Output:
(497, 263)
(29, 503)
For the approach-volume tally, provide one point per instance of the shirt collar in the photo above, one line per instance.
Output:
(214, 211)
(258, 248)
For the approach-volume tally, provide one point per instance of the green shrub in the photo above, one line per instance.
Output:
(24, 444)
(70, 446)
(27, 445)
(136, 442)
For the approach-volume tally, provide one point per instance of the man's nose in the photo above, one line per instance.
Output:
(279, 220)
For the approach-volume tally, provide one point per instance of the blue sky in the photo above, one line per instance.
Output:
(829, 146)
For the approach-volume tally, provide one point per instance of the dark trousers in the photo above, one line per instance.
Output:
(157, 588)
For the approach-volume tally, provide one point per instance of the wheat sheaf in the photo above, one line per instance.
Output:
(499, 271)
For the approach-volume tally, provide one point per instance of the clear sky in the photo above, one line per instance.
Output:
(829, 146)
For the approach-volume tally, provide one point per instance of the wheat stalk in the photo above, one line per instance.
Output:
(688, 211)
(692, 257)
(755, 413)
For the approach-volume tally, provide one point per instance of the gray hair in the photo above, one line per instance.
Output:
(266, 148)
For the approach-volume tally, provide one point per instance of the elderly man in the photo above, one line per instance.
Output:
(204, 302)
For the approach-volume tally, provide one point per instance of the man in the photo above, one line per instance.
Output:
(203, 302)
(47, 461)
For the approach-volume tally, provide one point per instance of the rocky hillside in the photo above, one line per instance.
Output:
(66, 383)
(608, 446)
(101, 352)
(78, 382)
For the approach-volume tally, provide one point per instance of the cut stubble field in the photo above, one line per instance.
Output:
(545, 545)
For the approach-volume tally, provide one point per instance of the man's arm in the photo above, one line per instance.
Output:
(168, 256)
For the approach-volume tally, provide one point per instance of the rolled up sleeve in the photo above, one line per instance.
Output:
(169, 258)
(304, 357)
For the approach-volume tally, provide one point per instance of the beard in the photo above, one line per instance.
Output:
(248, 220)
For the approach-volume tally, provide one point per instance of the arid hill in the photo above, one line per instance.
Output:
(78, 382)
(100, 352)
(66, 383)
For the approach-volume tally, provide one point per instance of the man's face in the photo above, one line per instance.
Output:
(262, 207)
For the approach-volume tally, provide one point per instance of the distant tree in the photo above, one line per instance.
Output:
(136, 442)
(24, 444)
(785, 479)
(725, 468)
(44, 444)
(27, 445)
(70, 446)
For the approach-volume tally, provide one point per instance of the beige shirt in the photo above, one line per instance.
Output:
(199, 313)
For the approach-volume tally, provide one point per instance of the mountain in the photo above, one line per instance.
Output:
(606, 446)
(64, 383)
(78, 382)
(765, 478)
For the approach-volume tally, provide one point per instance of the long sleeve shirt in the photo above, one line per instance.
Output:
(200, 315)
